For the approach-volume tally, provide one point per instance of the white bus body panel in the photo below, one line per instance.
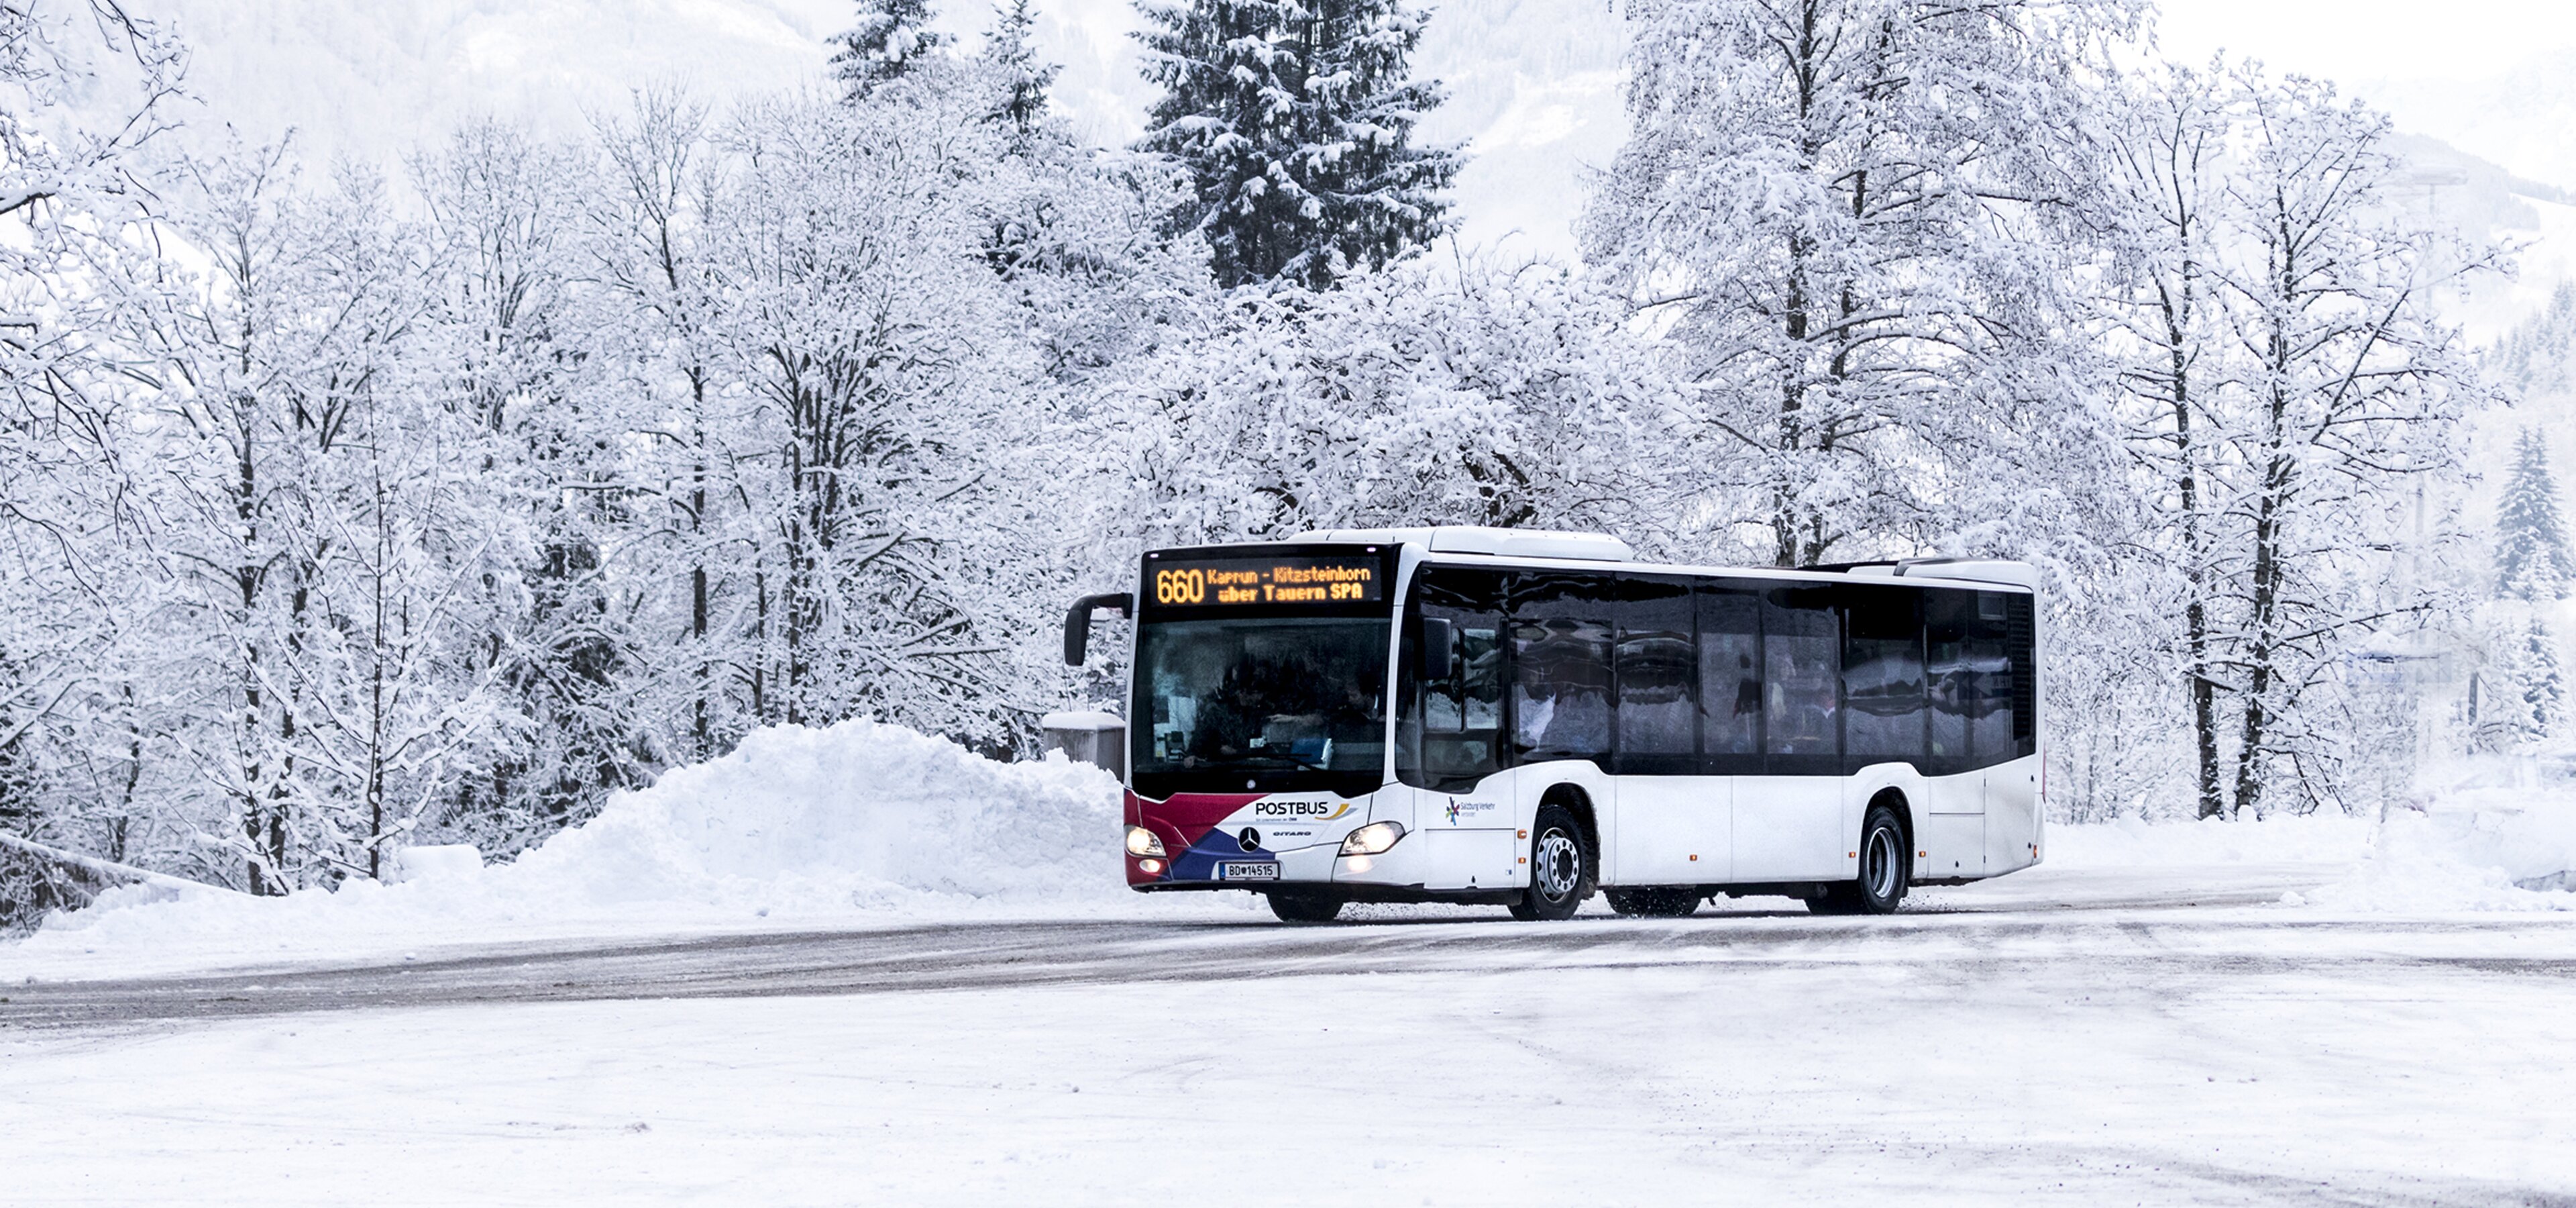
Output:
(1792, 828)
(2013, 816)
(1676, 830)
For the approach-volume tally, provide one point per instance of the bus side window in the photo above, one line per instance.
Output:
(1953, 677)
(2020, 642)
(1730, 680)
(1801, 682)
(1883, 714)
(1451, 733)
(1560, 631)
(1990, 677)
(1657, 664)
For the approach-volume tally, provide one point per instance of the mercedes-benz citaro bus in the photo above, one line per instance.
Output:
(1518, 718)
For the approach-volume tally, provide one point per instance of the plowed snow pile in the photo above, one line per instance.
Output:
(2492, 834)
(860, 821)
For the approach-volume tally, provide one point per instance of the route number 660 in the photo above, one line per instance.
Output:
(1180, 587)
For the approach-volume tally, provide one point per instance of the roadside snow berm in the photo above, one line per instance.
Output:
(858, 820)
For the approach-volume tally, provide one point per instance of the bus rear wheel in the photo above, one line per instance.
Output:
(1659, 902)
(1560, 868)
(1882, 882)
(1305, 907)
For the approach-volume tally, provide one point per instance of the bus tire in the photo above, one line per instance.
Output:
(1654, 902)
(1561, 867)
(1882, 882)
(1305, 907)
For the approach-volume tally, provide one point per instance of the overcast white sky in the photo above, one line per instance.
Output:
(2357, 40)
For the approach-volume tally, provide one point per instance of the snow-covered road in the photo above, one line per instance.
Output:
(2079, 1037)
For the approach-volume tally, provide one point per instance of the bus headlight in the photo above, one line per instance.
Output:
(1142, 842)
(1372, 839)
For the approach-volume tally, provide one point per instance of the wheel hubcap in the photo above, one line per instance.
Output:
(1881, 869)
(1559, 865)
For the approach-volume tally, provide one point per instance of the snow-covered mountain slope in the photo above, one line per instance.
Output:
(1534, 87)
(1534, 84)
(374, 80)
(2521, 116)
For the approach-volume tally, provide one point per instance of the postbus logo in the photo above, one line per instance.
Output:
(1318, 811)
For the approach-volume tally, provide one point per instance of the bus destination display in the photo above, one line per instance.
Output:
(1285, 579)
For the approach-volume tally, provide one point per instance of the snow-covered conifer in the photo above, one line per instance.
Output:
(889, 39)
(2543, 683)
(2532, 560)
(1010, 49)
(1296, 121)
(2538, 358)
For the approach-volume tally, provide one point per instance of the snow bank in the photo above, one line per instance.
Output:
(860, 821)
(2484, 834)
(2281, 839)
(2491, 834)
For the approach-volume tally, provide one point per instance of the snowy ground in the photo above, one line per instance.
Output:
(791, 976)
(2052, 1041)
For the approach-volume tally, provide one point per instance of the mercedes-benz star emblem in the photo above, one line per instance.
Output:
(1251, 839)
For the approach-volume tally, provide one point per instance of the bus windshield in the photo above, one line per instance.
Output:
(1269, 704)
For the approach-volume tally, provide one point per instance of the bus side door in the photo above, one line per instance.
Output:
(1790, 817)
(1675, 823)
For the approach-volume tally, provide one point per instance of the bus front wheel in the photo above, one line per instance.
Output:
(1305, 907)
(1560, 868)
(1881, 885)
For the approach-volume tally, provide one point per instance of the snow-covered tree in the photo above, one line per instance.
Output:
(2543, 683)
(889, 40)
(2532, 560)
(880, 352)
(1511, 398)
(2538, 357)
(2167, 143)
(1010, 50)
(659, 319)
(2347, 390)
(1838, 212)
(1295, 119)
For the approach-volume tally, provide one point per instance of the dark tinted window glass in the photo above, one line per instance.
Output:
(1656, 713)
(1730, 677)
(1953, 678)
(1883, 707)
(1560, 637)
(1801, 665)
(1450, 734)
(2019, 636)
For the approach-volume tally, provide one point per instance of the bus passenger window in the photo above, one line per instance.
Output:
(1953, 672)
(1656, 667)
(1882, 675)
(1730, 680)
(1561, 648)
(1801, 674)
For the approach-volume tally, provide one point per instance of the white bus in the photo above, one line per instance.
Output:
(1521, 718)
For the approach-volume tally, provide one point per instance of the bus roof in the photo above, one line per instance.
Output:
(1476, 543)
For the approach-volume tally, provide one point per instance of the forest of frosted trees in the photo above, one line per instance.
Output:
(342, 509)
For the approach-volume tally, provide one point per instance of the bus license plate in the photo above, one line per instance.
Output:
(1241, 871)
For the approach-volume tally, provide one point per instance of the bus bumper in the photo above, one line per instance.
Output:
(1256, 842)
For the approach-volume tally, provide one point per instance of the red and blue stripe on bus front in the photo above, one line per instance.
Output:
(1187, 825)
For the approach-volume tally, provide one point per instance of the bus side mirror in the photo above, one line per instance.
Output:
(1439, 649)
(1077, 622)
